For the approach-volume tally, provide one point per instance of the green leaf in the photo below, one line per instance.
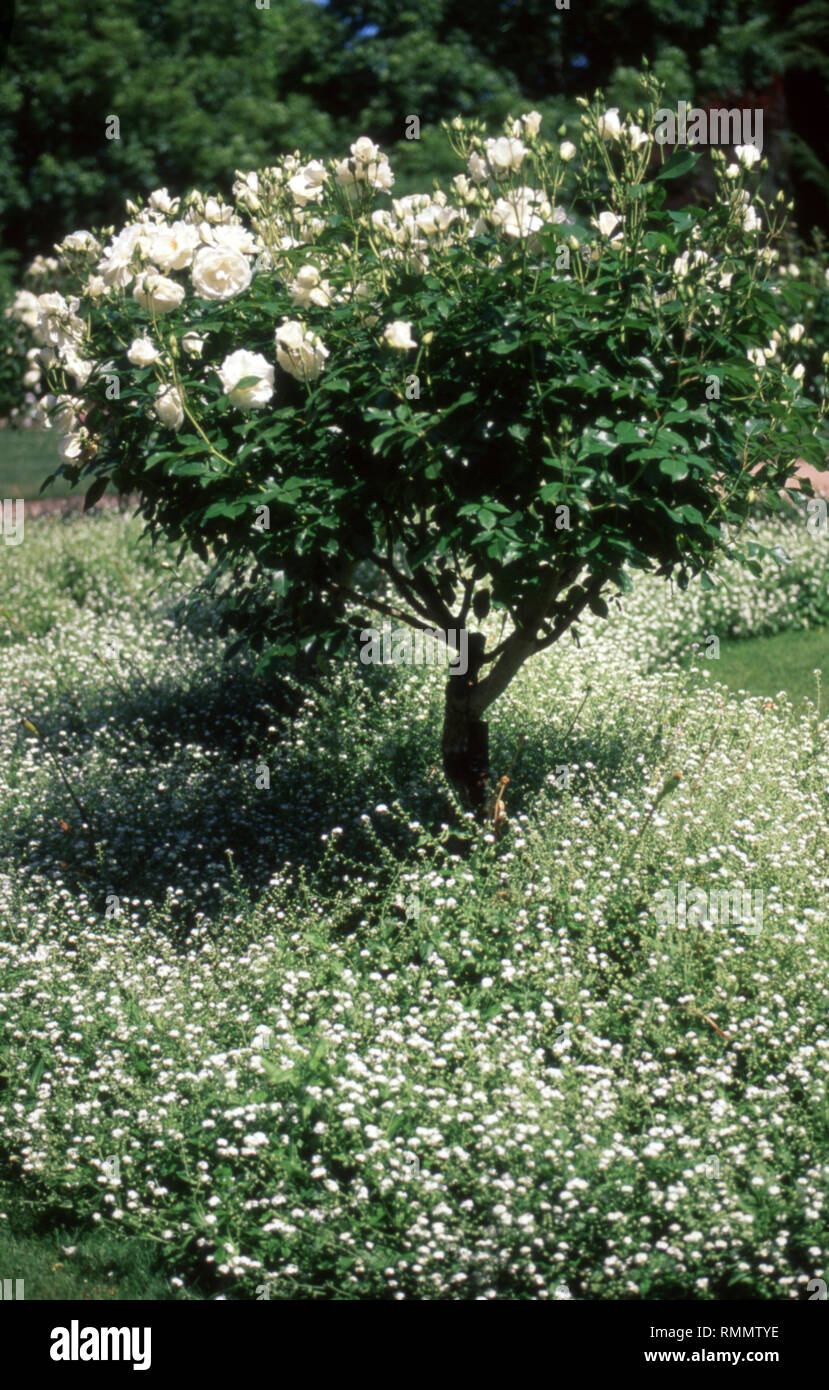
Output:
(675, 468)
(680, 163)
(96, 491)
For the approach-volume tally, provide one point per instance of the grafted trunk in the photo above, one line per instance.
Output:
(466, 736)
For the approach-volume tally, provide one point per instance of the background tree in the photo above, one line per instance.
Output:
(201, 90)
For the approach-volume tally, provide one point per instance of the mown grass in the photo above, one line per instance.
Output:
(335, 1058)
(27, 458)
(788, 661)
(58, 1259)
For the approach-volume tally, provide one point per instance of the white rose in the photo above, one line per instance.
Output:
(214, 211)
(799, 372)
(757, 357)
(309, 288)
(566, 149)
(477, 167)
(69, 449)
(246, 189)
(158, 293)
(365, 151)
(399, 335)
(796, 332)
(25, 308)
(116, 263)
(32, 377)
(299, 353)
(241, 364)
(61, 412)
(522, 214)
(379, 175)
(732, 171)
(751, 222)
(161, 201)
(220, 273)
(168, 407)
(307, 185)
(608, 223)
(78, 367)
(193, 344)
(532, 123)
(96, 286)
(747, 154)
(232, 236)
(143, 352)
(80, 241)
(173, 248)
(637, 136)
(435, 219)
(505, 155)
(463, 188)
(609, 125)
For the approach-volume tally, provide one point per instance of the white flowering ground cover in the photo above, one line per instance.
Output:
(284, 1040)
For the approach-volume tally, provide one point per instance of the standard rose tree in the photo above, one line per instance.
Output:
(489, 402)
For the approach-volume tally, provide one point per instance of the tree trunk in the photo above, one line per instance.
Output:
(466, 737)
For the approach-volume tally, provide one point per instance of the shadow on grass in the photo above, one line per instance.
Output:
(222, 782)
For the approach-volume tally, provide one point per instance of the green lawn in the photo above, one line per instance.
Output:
(767, 665)
(27, 457)
(57, 1259)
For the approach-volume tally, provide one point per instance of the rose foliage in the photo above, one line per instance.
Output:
(508, 393)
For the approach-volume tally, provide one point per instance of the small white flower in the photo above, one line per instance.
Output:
(161, 201)
(504, 155)
(168, 407)
(608, 223)
(796, 332)
(532, 123)
(609, 125)
(219, 272)
(477, 167)
(757, 356)
(399, 335)
(298, 352)
(193, 344)
(751, 222)
(173, 248)
(80, 241)
(142, 352)
(240, 364)
(158, 293)
(637, 136)
(365, 151)
(566, 150)
(747, 155)
(309, 288)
